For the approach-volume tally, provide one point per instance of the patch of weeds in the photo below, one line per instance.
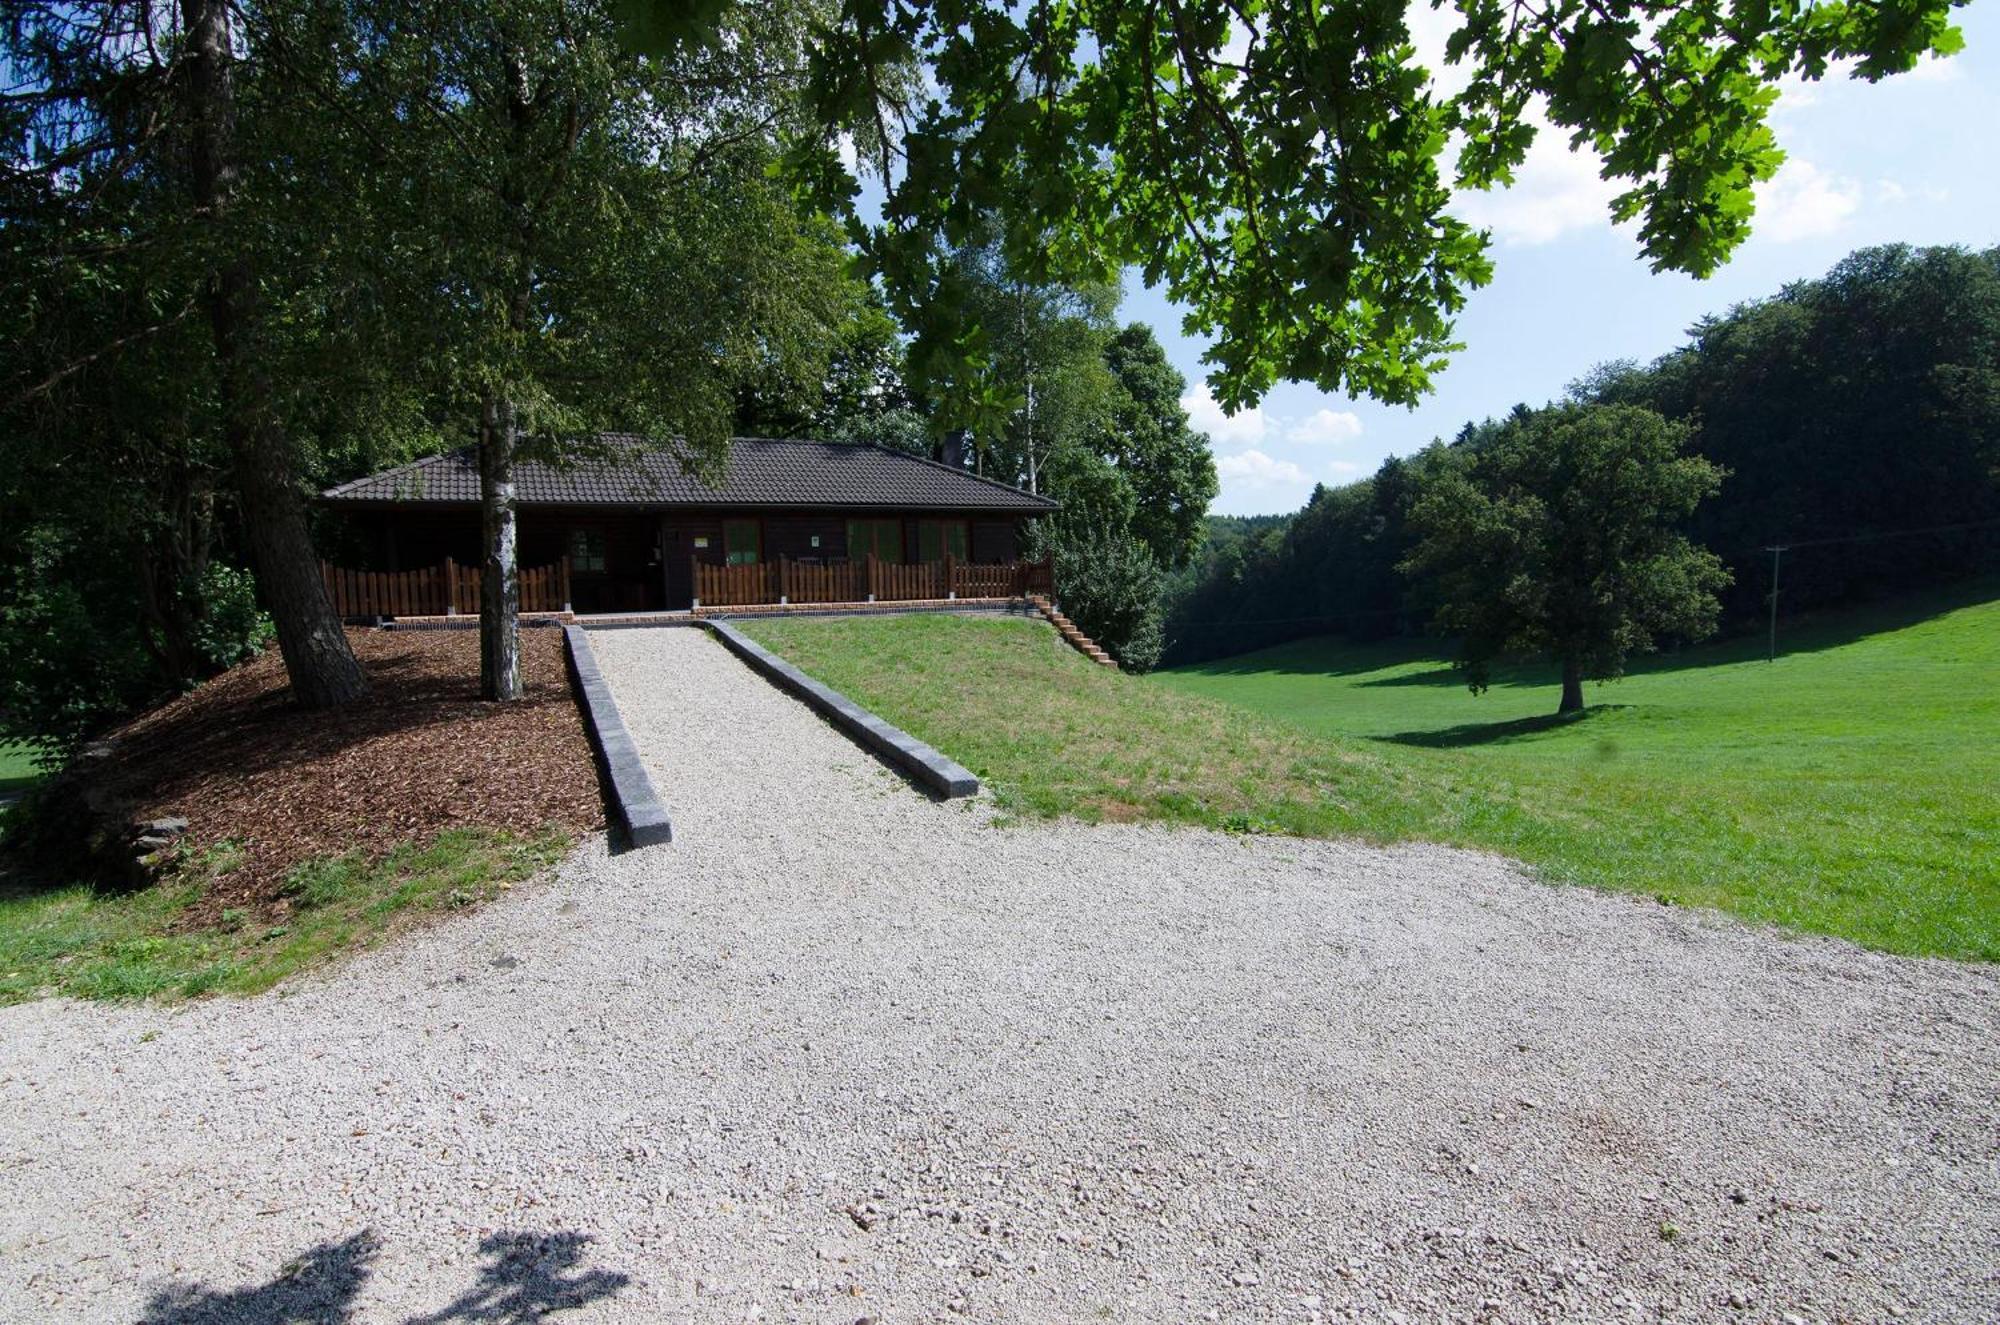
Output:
(323, 882)
(1669, 1231)
(221, 858)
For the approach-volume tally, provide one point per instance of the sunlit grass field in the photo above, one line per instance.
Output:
(17, 768)
(1852, 787)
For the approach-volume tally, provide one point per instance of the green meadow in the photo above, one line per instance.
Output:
(1852, 787)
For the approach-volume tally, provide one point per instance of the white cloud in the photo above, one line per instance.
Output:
(1804, 202)
(1555, 191)
(1243, 428)
(1938, 69)
(1796, 92)
(1255, 469)
(1324, 426)
(1430, 29)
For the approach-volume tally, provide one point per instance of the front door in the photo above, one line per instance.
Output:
(677, 556)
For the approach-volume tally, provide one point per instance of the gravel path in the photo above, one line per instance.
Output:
(843, 1052)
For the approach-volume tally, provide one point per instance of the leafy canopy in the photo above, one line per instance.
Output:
(1279, 167)
(1558, 531)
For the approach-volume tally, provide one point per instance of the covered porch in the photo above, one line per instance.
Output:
(605, 560)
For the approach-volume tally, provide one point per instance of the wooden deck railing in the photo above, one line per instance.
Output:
(437, 590)
(788, 581)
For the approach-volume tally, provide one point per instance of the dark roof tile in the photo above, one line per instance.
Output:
(761, 472)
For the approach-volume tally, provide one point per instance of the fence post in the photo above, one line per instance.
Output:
(784, 580)
(694, 581)
(871, 577)
(568, 605)
(950, 577)
(450, 587)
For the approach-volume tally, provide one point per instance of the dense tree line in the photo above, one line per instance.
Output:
(1857, 417)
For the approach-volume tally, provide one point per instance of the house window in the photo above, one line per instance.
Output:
(742, 541)
(884, 538)
(938, 538)
(586, 550)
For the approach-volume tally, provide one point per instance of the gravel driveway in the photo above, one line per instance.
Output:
(843, 1052)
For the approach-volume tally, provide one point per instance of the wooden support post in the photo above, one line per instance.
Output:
(450, 587)
(694, 580)
(871, 577)
(784, 580)
(566, 600)
(950, 576)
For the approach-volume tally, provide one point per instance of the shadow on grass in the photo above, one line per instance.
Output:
(1496, 733)
(527, 1276)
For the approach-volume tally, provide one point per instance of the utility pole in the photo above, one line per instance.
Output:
(1777, 555)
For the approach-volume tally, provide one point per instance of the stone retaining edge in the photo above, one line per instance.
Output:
(633, 800)
(944, 777)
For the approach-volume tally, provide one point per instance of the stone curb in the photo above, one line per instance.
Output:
(943, 777)
(633, 799)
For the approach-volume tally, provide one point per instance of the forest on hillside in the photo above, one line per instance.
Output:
(1856, 417)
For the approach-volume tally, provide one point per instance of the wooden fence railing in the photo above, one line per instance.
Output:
(788, 581)
(437, 590)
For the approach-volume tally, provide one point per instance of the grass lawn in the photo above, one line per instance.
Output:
(1850, 788)
(17, 768)
(87, 944)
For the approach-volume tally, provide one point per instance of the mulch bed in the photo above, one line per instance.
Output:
(423, 753)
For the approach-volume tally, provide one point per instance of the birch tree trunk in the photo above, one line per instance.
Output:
(318, 660)
(500, 578)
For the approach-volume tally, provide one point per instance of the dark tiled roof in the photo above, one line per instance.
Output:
(760, 473)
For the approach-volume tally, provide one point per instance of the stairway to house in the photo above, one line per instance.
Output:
(1079, 641)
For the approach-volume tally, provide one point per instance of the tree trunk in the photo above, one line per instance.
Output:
(500, 581)
(318, 660)
(1572, 700)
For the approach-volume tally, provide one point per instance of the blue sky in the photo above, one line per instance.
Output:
(1915, 158)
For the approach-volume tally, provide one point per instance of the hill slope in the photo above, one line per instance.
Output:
(1851, 788)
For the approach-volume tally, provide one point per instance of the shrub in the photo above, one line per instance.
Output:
(1110, 586)
(231, 628)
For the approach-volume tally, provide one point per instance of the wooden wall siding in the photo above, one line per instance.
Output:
(437, 590)
(785, 580)
(649, 554)
(995, 541)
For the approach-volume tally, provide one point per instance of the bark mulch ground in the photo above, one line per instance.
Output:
(423, 753)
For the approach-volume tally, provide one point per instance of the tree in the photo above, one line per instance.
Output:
(865, 396)
(1853, 408)
(1858, 414)
(116, 100)
(600, 245)
(1557, 532)
(1109, 585)
(1165, 463)
(1278, 169)
(1045, 341)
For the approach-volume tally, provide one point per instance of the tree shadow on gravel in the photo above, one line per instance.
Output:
(527, 1276)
